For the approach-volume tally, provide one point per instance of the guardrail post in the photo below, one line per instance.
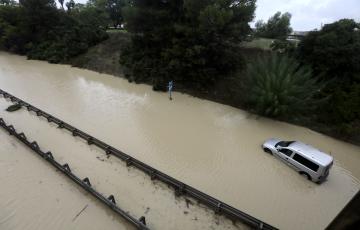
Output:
(112, 199)
(66, 167)
(34, 145)
(143, 220)
(153, 175)
(261, 226)
(218, 208)
(22, 135)
(128, 161)
(49, 155)
(11, 129)
(108, 150)
(90, 141)
(180, 190)
(87, 181)
(74, 132)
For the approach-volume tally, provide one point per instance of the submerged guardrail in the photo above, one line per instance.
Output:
(84, 183)
(180, 188)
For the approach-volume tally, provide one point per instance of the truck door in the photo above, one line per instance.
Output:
(285, 155)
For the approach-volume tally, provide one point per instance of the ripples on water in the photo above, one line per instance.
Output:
(213, 147)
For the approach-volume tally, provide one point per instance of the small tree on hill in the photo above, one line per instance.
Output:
(114, 9)
(277, 27)
(61, 3)
(70, 5)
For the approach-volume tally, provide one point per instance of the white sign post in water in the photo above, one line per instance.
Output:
(170, 88)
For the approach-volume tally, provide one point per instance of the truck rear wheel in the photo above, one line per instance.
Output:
(268, 151)
(305, 175)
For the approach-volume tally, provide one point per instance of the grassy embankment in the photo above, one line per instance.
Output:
(259, 43)
(104, 58)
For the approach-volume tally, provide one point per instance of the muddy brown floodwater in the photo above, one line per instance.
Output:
(213, 147)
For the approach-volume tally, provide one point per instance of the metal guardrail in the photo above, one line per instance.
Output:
(349, 216)
(65, 169)
(180, 188)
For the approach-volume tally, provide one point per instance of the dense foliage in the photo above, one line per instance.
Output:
(284, 46)
(335, 52)
(277, 27)
(41, 31)
(193, 42)
(113, 9)
(277, 86)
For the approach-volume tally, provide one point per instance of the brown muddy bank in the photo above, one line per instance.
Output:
(213, 147)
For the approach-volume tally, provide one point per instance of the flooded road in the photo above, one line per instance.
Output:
(34, 196)
(213, 147)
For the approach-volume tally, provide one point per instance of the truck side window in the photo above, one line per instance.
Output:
(307, 163)
(287, 152)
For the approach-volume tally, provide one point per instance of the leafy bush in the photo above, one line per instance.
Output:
(284, 46)
(277, 86)
(343, 110)
(334, 51)
(41, 31)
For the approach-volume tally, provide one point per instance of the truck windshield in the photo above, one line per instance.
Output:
(284, 143)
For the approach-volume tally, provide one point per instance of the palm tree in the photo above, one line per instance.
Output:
(277, 86)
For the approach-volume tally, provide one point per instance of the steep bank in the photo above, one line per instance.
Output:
(104, 58)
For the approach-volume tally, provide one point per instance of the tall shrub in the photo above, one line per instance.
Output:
(276, 86)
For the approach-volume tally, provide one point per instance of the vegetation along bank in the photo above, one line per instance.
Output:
(203, 46)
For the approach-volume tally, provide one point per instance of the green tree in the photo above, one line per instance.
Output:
(193, 42)
(41, 31)
(12, 36)
(260, 28)
(114, 9)
(335, 52)
(7, 3)
(39, 17)
(61, 3)
(277, 86)
(277, 27)
(70, 5)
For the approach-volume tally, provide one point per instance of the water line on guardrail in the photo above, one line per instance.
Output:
(180, 188)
